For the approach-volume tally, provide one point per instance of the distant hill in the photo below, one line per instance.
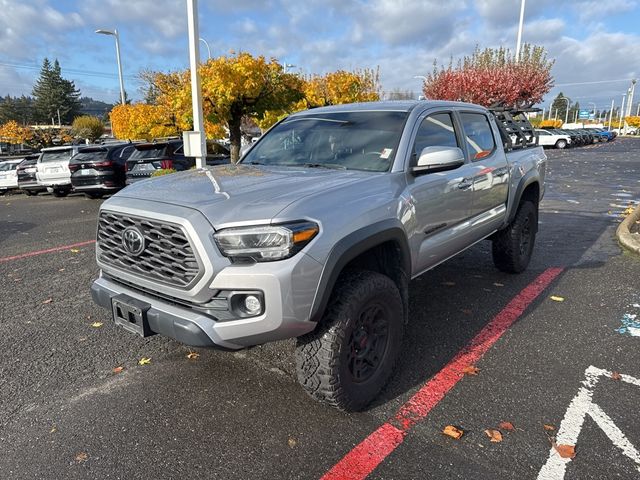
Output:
(89, 106)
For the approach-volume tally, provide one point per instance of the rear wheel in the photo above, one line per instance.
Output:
(513, 246)
(351, 355)
(60, 192)
(561, 144)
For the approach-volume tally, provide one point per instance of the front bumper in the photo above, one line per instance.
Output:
(282, 318)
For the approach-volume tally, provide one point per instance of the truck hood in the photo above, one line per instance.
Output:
(229, 194)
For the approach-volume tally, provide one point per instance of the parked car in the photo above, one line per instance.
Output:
(550, 138)
(316, 234)
(27, 181)
(100, 169)
(149, 157)
(577, 139)
(588, 136)
(53, 169)
(8, 175)
(602, 134)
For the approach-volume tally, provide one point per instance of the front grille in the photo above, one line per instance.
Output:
(168, 256)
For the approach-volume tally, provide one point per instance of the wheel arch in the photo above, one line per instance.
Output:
(381, 247)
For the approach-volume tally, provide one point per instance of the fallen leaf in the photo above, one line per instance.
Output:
(449, 284)
(470, 370)
(556, 298)
(452, 432)
(193, 355)
(616, 376)
(292, 442)
(494, 435)
(17, 279)
(53, 430)
(508, 426)
(74, 250)
(61, 270)
(144, 361)
(96, 324)
(118, 369)
(499, 284)
(566, 451)
(81, 457)
(549, 428)
(466, 311)
(48, 300)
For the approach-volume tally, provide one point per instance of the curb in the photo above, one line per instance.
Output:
(629, 240)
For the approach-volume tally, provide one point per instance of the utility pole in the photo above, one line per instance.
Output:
(555, 117)
(519, 40)
(610, 115)
(621, 112)
(195, 142)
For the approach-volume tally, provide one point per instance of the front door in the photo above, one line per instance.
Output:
(442, 200)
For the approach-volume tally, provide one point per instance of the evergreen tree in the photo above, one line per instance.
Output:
(561, 105)
(55, 95)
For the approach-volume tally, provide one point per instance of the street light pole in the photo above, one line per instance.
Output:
(424, 80)
(566, 113)
(115, 34)
(519, 40)
(621, 112)
(610, 115)
(195, 141)
(206, 44)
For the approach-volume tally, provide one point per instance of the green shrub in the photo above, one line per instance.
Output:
(87, 127)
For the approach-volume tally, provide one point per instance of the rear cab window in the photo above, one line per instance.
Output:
(478, 135)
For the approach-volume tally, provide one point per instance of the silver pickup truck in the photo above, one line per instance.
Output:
(316, 233)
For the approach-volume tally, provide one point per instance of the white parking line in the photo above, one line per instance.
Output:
(581, 406)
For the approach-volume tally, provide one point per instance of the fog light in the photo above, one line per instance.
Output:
(252, 304)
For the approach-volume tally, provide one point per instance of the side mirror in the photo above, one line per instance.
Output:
(438, 159)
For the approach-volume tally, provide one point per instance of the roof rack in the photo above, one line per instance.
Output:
(515, 129)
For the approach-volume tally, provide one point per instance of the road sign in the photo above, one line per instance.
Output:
(584, 114)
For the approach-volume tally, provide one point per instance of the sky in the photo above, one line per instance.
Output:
(595, 44)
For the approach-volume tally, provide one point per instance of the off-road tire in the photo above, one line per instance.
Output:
(513, 246)
(561, 144)
(57, 192)
(322, 356)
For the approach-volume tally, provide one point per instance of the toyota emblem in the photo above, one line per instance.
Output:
(133, 241)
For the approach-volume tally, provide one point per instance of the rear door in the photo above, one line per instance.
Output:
(442, 200)
(489, 172)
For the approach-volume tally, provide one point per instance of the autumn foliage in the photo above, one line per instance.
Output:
(87, 126)
(633, 121)
(551, 124)
(11, 132)
(492, 76)
(140, 121)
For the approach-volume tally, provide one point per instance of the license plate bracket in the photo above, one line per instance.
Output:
(131, 314)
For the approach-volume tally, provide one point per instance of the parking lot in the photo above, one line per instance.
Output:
(548, 344)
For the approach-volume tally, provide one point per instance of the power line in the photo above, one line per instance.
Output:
(88, 73)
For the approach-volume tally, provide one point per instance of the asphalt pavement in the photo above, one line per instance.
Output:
(65, 413)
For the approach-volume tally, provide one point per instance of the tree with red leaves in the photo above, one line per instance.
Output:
(493, 77)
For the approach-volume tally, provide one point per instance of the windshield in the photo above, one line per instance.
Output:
(346, 140)
(56, 156)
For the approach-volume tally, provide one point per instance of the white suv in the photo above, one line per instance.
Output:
(547, 138)
(8, 175)
(53, 169)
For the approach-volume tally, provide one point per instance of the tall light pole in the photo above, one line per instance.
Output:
(621, 112)
(206, 44)
(519, 40)
(195, 142)
(114, 32)
(611, 114)
(631, 91)
(424, 80)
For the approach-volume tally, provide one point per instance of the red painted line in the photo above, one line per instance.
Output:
(48, 250)
(365, 457)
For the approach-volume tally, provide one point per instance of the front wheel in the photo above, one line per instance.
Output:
(60, 192)
(513, 246)
(561, 144)
(351, 355)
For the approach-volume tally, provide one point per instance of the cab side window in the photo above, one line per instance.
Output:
(478, 135)
(435, 130)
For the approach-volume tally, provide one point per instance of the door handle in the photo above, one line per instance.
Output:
(465, 184)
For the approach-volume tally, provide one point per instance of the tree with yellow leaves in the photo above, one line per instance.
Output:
(140, 121)
(11, 132)
(633, 121)
(551, 123)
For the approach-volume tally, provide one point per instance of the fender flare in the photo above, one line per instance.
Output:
(350, 247)
(530, 178)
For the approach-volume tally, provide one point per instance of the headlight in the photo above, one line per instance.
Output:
(265, 243)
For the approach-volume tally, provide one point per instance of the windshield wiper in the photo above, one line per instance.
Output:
(333, 166)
